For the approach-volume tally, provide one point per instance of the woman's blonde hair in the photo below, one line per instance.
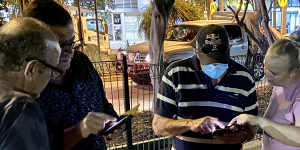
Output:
(287, 47)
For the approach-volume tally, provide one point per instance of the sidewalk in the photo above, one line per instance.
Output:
(252, 145)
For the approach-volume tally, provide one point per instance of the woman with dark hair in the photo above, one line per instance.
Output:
(74, 103)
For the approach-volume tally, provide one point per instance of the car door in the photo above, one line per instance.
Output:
(238, 40)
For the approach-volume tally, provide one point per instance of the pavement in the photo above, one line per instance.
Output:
(252, 145)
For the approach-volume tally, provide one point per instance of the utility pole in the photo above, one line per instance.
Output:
(274, 13)
(283, 20)
(221, 5)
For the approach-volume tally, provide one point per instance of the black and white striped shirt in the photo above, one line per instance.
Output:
(187, 93)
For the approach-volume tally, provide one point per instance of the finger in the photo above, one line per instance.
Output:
(97, 123)
(218, 123)
(206, 128)
(103, 116)
(93, 129)
(233, 121)
(211, 126)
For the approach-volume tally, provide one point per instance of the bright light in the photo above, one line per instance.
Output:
(148, 59)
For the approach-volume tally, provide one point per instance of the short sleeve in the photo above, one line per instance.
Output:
(165, 104)
(296, 107)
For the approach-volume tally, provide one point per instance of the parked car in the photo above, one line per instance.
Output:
(177, 46)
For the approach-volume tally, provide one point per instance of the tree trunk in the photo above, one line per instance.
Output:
(160, 14)
(265, 22)
(274, 13)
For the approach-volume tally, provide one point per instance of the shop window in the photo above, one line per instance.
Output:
(118, 32)
(91, 25)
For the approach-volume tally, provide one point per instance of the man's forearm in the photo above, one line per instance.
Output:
(287, 134)
(170, 127)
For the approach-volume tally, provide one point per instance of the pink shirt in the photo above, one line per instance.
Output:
(283, 108)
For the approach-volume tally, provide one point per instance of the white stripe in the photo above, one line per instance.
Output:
(179, 118)
(191, 86)
(245, 74)
(252, 90)
(210, 104)
(170, 83)
(251, 107)
(177, 69)
(235, 90)
(166, 99)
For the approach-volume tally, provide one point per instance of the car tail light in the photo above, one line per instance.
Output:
(139, 58)
(130, 57)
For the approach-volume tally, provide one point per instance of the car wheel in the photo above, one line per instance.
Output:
(258, 70)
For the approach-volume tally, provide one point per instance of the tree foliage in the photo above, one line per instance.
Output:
(3, 5)
(182, 10)
(89, 4)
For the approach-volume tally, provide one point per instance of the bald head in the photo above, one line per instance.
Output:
(22, 38)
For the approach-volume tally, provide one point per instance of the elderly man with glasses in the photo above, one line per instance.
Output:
(29, 52)
(74, 103)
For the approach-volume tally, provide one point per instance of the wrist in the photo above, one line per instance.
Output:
(260, 122)
(188, 123)
(80, 130)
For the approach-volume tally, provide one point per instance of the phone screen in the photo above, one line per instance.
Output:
(114, 125)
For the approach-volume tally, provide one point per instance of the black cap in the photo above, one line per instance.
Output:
(213, 40)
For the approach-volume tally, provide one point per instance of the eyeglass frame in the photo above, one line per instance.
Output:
(67, 43)
(56, 69)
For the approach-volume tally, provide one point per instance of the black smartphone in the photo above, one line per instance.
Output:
(113, 125)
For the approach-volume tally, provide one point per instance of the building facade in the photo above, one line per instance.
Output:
(123, 22)
(292, 16)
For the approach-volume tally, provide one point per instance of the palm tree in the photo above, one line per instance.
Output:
(181, 11)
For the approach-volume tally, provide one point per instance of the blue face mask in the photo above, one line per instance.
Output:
(214, 71)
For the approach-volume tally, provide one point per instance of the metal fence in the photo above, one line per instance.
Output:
(143, 137)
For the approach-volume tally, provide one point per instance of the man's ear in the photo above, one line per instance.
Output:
(30, 69)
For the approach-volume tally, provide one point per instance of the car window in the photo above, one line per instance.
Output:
(182, 33)
(234, 33)
(91, 25)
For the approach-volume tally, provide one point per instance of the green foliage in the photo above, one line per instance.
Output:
(89, 4)
(181, 10)
(3, 5)
(146, 22)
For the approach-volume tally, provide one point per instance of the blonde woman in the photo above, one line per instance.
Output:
(281, 122)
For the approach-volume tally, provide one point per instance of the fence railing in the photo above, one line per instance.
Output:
(143, 137)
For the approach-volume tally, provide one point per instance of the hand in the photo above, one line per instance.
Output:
(94, 122)
(243, 119)
(206, 125)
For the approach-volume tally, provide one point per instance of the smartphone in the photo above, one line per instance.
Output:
(229, 130)
(111, 127)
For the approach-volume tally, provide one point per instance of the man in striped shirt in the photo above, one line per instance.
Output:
(202, 93)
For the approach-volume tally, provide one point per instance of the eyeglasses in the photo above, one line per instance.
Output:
(45, 64)
(70, 43)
